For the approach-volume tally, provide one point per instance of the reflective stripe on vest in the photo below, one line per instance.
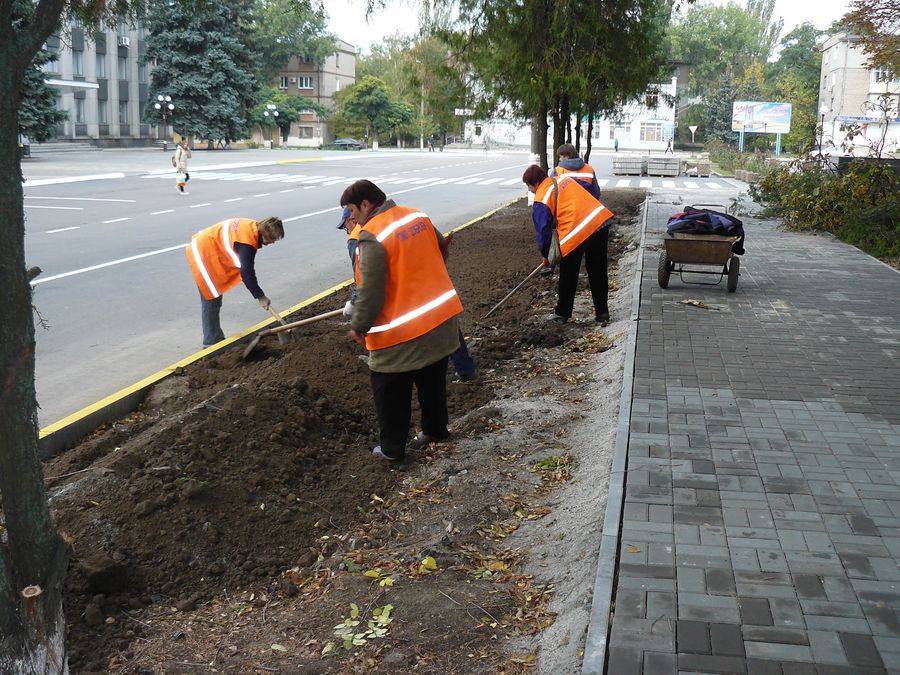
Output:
(419, 295)
(578, 214)
(216, 273)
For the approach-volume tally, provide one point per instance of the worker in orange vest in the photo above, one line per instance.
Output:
(564, 205)
(572, 165)
(405, 315)
(223, 255)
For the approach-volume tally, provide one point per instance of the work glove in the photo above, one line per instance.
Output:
(547, 269)
(264, 302)
(348, 308)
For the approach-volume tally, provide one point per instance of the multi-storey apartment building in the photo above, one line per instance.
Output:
(101, 85)
(318, 83)
(850, 93)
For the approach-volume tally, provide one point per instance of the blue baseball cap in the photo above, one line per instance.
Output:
(344, 216)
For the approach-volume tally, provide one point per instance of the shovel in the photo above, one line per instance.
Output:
(512, 292)
(283, 338)
(288, 326)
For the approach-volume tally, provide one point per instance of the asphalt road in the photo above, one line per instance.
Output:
(116, 294)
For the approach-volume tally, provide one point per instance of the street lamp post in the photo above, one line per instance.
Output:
(271, 111)
(165, 106)
(823, 110)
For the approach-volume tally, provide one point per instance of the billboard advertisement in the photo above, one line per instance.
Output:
(761, 117)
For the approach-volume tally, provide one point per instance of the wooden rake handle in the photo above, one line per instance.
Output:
(513, 291)
(302, 322)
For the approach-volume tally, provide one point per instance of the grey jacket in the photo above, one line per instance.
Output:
(413, 354)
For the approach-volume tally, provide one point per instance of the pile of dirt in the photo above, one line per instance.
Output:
(254, 480)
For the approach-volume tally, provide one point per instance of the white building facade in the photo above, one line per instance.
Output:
(851, 93)
(646, 126)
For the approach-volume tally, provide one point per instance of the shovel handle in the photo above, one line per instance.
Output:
(510, 294)
(302, 322)
(278, 317)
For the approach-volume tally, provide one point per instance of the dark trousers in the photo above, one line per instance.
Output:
(593, 250)
(393, 403)
(462, 362)
(209, 316)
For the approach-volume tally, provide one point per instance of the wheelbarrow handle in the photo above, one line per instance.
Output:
(302, 322)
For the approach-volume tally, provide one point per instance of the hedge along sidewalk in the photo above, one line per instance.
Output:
(56, 437)
(761, 521)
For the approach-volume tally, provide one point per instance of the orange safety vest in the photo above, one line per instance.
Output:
(216, 267)
(419, 295)
(578, 215)
(585, 173)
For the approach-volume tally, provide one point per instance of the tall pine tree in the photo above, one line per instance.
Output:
(202, 62)
(38, 114)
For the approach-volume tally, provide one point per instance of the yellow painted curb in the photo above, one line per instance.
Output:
(110, 401)
(298, 161)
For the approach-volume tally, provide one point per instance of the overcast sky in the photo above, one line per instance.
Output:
(349, 24)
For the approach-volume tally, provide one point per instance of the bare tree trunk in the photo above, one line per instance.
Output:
(590, 135)
(559, 127)
(33, 559)
(578, 131)
(539, 133)
(566, 115)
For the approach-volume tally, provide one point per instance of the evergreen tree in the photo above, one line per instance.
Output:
(38, 114)
(719, 109)
(202, 62)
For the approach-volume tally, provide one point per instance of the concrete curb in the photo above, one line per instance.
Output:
(70, 430)
(597, 640)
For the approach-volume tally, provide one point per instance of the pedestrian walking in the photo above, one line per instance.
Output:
(669, 148)
(179, 160)
(223, 255)
(578, 219)
(405, 314)
(616, 144)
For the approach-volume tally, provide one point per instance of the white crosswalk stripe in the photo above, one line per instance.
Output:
(646, 183)
(602, 181)
(624, 182)
(512, 181)
(691, 185)
(714, 186)
(490, 181)
(465, 181)
(668, 183)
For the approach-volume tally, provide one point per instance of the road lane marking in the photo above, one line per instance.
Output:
(714, 186)
(603, 181)
(157, 213)
(116, 220)
(197, 206)
(58, 208)
(263, 194)
(74, 179)
(107, 264)
(490, 181)
(646, 183)
(84, 199)
(235, 199)
(288, 190)
(63, 229)
(511, 181)
(691, 185)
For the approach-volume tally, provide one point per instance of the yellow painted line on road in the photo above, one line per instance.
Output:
(298, 161)
(219, 346)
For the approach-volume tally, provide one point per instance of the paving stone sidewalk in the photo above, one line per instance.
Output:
(761, 524)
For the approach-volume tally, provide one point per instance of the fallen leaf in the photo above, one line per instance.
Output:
(633, 549)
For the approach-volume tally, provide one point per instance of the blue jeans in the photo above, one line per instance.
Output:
(209, 316)
(462, 362)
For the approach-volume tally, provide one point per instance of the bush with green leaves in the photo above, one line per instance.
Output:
(859, 205)
(728, 159)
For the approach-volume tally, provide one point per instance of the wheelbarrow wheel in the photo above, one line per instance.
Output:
(734, 270)
(662, 269)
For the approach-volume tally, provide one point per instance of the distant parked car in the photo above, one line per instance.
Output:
(347, 144)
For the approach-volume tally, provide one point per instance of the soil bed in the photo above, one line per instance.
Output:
(230, 523)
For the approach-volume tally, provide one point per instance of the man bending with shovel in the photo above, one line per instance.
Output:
(405, 315)
(224, 254)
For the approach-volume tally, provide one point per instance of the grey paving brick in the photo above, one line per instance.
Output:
(861, 650)
(755, 611)
(763, 667)
(693, 637)
(826, 647)
(726, 639)
(784, 636)
(701, 663)
(781, 652)
(659, 663)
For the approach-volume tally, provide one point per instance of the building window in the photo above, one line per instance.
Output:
(102, 114)
(101, 65)
(282, 82)
(52, 66)
(307, 111)
(306, 132)
(304, 82)
(123, 68)
(651, 131)
(337, 59)
(337, 84)
(621, 132)
(123, 112)
(77, 62)
(651, 100)
(79, 111)
(884, 75)
(142, 72)
(121, 28)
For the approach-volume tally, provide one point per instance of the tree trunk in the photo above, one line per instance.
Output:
(559, 126)
(578, 131)
(589, 136)
(566, 115)
(33, 559)
(539, 133)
